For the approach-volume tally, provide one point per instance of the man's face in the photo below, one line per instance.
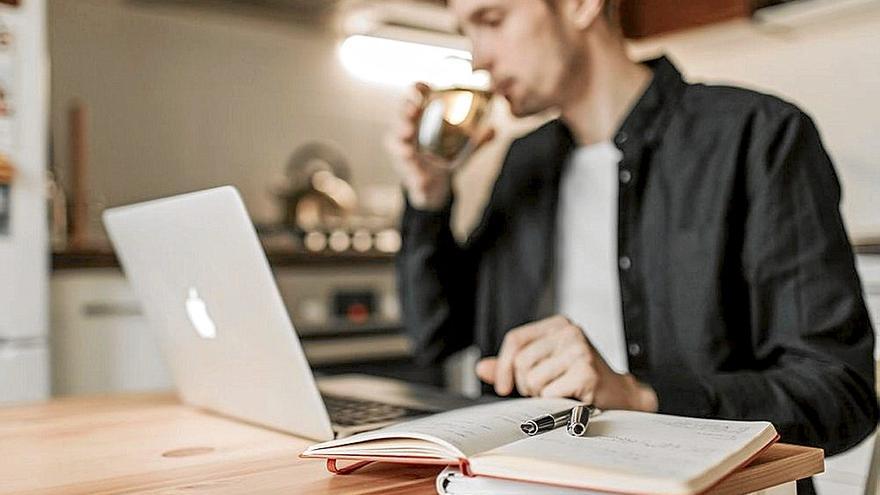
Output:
(523, 46)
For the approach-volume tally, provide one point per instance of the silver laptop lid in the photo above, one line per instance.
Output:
(197, 265)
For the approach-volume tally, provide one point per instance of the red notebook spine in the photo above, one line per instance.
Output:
(465, 467)
(334, 467)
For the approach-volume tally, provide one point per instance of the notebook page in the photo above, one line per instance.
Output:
(451, 481)
(635, 444)
(464, 431)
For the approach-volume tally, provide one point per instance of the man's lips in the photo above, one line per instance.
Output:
(503, 87)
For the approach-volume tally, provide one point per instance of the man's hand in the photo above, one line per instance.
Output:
(427, 180)
(553, 358)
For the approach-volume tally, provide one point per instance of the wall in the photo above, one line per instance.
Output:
(830, 66)
(184, 99)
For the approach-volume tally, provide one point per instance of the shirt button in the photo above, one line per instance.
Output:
(625, 176)
(624, 262)
(635, 350)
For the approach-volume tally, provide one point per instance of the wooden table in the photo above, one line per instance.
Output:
(152, 444)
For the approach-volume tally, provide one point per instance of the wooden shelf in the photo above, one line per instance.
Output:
(101, 257)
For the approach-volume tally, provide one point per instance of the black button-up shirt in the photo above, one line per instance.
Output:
(739, 294)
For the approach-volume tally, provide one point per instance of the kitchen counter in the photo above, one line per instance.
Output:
(868, 248)
(866, 244)
(104, 257)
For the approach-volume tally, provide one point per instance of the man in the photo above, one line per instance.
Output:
(689, 234)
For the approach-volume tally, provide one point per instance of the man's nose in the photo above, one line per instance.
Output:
(481, 60)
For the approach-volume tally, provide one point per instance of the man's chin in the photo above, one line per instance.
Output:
(521, 109)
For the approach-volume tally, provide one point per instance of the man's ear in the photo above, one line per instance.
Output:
(583, 13)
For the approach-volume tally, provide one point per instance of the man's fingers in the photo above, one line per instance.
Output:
(405, 154)
(515, 340)
(577, 383)
(483, 138)
(422, 88)
(533, 352)
(526, 359)
(566, 385)
(406, 132)
(545, 372)
(411, 109)
(486, 369)
(416, 97)
(408, 160)
(504, 374)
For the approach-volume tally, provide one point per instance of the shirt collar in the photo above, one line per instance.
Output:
(642, 126)
(646, 120)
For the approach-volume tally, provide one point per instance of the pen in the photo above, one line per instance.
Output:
(579, 420)
(546, 422)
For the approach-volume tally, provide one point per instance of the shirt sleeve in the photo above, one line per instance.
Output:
(811, 334)
(436, 280)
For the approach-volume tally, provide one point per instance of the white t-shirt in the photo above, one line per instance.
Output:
(587, 283)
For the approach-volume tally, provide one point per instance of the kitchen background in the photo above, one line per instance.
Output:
(182, 97)
(156, 97)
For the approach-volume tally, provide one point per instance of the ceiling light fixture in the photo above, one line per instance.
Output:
(399, 43)
(401, 63)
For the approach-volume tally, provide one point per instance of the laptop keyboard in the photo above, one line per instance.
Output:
(348, 411)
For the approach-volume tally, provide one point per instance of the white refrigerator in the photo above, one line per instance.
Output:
(24, 249)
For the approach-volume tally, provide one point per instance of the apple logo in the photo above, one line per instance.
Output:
(197, 311)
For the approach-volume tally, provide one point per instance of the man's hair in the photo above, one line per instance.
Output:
(611, 9)
(612, 12)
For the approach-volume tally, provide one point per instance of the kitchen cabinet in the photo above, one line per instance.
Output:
(345, 312)
(642, 18)
(100, 341)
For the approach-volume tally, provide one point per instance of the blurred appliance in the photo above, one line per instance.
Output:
(321, 211)
(318, 194)
(24, 357)
(349, 299)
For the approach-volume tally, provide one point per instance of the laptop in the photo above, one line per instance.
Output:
(199, 270)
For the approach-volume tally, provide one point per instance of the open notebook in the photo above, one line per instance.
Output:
(623, 451)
